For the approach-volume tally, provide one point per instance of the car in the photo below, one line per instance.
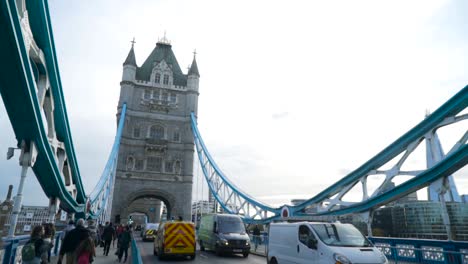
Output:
(175, 239)
(149, 231)
(223, 233)
(320, 242)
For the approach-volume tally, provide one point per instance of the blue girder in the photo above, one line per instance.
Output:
(223, 189)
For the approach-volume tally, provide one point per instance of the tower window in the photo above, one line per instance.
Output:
(156, 94)
(176, 136)
(147, 94)
(168, 167)
(166, 79)
(165, 97)
(173, 98)
(157, 132)
(136, 132)
(154, 164)
(139, 164)
(157, 78)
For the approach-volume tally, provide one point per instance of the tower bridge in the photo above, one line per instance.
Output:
(151, 161)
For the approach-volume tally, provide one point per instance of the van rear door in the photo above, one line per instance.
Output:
(179, 238)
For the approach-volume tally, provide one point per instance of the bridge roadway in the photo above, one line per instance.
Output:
(206, 257)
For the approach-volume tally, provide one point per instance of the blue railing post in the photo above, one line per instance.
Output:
(8, 253)
(57, 244)
(136, 256)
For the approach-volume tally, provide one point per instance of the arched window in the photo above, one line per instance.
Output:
(130, 163)
(157, 78)
(177, 167)
(157, 132)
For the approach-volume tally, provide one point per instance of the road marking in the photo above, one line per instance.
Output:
(203, 255)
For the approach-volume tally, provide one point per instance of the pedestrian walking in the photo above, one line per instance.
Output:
(72, 240)
(256, 236)
(35, 250)
(124, 243)
(70, 226)
(86, 251)
(93, 231)
(108, 234)
(49, 235)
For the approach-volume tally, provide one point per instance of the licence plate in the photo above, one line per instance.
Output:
(237, 250)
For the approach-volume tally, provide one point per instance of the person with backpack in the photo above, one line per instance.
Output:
(35, 250)
(86, 251)
(72, 240)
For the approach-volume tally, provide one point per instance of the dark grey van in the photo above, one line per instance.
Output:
(223, 233)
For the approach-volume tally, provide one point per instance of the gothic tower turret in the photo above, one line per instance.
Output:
(128, 76)
(193, 78)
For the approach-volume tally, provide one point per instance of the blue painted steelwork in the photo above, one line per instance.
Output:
(234, 200)
(136, 256)
(29, 80)
(32, 92)
(217, 182)
(101, 196)
(12, 248)
(422, 250)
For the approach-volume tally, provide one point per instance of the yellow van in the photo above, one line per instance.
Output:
(175, 239)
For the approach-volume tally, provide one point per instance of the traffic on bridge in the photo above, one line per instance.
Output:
(408, 203)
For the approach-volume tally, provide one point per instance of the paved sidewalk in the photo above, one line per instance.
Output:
(100, 258)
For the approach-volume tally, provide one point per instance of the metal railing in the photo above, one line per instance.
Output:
(400, 250)
(136, 256)
(10, 252)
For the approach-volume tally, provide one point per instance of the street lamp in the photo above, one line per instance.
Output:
(11, 152)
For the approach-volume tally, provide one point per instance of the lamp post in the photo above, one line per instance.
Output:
(26, 159)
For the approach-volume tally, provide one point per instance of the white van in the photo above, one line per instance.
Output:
(315, 242)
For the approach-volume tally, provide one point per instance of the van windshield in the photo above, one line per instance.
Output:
(230, 225)
(344, 235)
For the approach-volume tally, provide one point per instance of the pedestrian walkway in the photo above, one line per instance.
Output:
(261, 250)
(100, 258)
(111, 258)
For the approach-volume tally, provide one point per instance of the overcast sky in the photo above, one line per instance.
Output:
(293, 94)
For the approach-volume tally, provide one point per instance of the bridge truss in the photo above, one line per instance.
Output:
(388, 163)
(31, 89)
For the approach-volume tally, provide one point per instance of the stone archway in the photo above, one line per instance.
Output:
(167, 198)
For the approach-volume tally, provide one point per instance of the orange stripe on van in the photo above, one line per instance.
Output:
(179, 235)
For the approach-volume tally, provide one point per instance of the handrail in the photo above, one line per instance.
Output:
(12, 247)
(136, 256)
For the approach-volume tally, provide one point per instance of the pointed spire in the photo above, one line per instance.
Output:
(131, 56)
(194, 68)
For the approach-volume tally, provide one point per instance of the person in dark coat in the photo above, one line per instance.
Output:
(256, 236)
(124, 243)
(107, 235)
(72, 240)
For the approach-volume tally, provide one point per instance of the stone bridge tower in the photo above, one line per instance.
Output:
(157, 148)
